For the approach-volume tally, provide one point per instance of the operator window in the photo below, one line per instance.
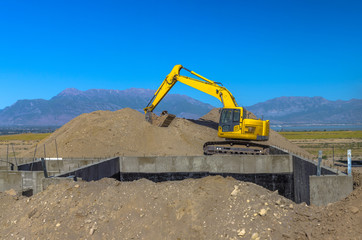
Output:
(226, 116)
(236, 117)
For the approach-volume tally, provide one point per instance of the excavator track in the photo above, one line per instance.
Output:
(235, 147)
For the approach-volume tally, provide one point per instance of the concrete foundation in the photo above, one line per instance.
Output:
(31, 175)
(291, 175)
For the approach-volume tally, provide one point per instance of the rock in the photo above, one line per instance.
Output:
(262, 212)
(241, 232)
(235, 191)
(255, 236)
(354, 210)
(76, 186)
(278, 202)
(286, 235)
(308, 235)
(93, 228)
(291, 206)
(58, 224)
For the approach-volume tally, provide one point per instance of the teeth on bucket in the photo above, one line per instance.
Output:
(166, 120)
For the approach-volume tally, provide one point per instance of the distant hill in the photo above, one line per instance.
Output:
(313, 110)
(73, 102)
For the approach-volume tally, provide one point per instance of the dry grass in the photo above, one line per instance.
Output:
(323, 135)
(333, 143)
(25, 137)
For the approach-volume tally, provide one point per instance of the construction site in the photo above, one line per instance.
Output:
(128, 175)
(114, 175)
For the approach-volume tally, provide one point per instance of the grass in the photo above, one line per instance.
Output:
(340, 150)
(24, 137)
(340, 147)
(323, 135)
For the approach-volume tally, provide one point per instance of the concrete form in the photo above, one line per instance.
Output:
(291, 175)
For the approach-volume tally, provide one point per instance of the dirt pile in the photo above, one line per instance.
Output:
(125, 132)
(208, 208)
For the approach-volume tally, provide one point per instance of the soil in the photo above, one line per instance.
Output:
(207, 208)
(125, 132)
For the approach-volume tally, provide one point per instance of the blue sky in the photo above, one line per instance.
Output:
(258, 49)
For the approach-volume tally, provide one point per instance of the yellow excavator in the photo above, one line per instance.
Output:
(233, 125)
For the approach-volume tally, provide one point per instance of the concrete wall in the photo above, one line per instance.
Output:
(10, 180)
(329, 189)
(21, 181)
(32, 180)
(59, 166)
(212, 164)
(273, 172)
(96, 171)
(303, 169)
(68, 164)
(33, 166)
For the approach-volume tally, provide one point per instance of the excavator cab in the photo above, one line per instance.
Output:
(234, 124)
(229, 119)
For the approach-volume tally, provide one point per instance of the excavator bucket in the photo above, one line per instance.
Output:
(166, 119)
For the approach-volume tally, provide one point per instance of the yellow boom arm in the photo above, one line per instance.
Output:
(205, 85)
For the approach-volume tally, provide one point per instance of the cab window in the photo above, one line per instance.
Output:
(236, 117)
(226, 116)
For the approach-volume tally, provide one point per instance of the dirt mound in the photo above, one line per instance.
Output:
(188, 209)
(125, 132)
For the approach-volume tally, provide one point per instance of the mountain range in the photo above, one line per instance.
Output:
(73, 102)
(309, 110)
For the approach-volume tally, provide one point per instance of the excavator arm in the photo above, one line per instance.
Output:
(205, 85)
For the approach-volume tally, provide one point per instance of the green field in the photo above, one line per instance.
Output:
(24, 137)
(334, 144)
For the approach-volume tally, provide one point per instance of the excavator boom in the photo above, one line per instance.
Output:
(205, 85)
